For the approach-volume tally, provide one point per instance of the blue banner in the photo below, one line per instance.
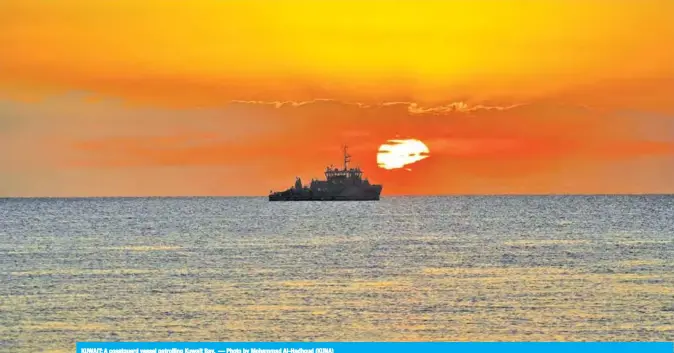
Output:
(370, 347)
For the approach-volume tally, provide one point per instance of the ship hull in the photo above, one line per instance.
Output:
(349, 194)
(321, 198)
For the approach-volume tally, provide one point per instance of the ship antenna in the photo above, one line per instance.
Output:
(347, 157)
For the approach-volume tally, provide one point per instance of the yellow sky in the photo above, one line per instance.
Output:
(382, 47)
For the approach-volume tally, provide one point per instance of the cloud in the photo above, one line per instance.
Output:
(412, 107)
(455, 107)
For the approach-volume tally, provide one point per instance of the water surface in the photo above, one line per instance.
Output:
(538, 268)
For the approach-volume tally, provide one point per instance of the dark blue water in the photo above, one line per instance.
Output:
(572, 268)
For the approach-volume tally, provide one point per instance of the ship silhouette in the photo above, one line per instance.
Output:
(345, 184)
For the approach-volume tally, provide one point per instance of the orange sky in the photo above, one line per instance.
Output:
(212, 97)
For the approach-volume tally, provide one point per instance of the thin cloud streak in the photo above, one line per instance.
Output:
(412, 107)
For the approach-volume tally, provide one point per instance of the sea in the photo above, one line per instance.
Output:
(487, 268)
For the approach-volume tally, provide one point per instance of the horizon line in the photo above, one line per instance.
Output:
(386, 196)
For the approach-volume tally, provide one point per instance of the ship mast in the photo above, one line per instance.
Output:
(347, 158)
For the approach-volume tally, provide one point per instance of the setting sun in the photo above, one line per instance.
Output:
(398, 153)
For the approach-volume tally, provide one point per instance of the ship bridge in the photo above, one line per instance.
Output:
(333, 174)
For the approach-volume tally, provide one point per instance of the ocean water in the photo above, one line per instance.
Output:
(538, 268)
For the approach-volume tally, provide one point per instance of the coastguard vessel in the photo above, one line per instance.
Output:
(345, 184)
